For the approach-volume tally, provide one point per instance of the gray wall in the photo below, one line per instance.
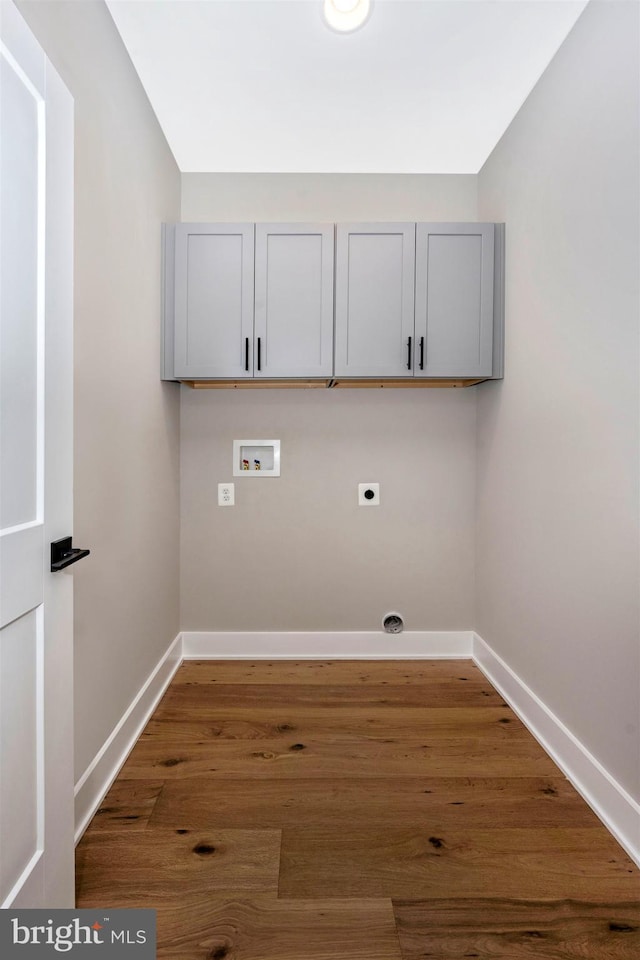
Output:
(328, 196)
(126, 421)
(558, 441)
(297, 553)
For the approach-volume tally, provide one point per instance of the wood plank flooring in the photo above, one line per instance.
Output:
(354, 811)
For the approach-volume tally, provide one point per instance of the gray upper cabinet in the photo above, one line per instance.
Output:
(375, 264)
(252, 301)
(213, 317)
(259, 301)
(293, 333)
(447, 333)
(454, 299)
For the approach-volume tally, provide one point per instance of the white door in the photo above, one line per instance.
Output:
(36, 606)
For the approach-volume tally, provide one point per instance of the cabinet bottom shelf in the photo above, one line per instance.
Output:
(339, 382)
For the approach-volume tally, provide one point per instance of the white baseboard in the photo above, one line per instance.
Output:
(103, 769)
(365, 645)
(619, 812)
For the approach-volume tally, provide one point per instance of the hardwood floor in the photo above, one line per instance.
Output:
(354, 811)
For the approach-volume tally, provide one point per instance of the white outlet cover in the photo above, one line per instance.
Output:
(226, 495)
(369, 488)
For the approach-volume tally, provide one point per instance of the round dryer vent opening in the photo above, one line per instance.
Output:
(393, 623)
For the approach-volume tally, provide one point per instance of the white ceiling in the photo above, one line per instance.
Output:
(426, 86)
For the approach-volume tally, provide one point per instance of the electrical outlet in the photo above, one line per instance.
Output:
(369, 494)
(226, 495)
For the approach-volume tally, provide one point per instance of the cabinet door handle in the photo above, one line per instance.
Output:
(259, 353)
(422, 353)
(246, 354)
(409, 354)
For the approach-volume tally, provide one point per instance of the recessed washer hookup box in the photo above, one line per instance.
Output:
(256, 458)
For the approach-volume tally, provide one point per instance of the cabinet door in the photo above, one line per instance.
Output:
(293, 300)
(214, 300)
(375, 265)
(454, 299)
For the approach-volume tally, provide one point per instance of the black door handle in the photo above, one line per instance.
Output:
(259, 354)
(409, 354)
(63, 554)
(422, 353)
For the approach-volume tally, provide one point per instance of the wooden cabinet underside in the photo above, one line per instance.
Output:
(341, 382)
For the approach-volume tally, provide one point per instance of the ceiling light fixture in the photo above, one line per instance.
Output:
(346, 15)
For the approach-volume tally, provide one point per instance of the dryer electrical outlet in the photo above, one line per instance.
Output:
(368, 494)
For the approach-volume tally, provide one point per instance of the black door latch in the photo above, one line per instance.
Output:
(63, 554)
